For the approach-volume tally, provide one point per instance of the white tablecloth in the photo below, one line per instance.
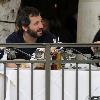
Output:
(56, 84)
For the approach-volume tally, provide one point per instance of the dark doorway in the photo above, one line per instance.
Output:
(61, 14)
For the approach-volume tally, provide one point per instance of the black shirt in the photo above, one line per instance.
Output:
(97, 36)
(17, 37)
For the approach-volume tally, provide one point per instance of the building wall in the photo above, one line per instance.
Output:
(88, 22)
(8, 13)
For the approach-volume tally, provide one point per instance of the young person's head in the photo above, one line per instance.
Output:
(29, 20)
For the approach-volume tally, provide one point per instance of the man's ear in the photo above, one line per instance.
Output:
(24, 28)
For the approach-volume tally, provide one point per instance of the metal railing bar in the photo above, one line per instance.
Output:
(62, 83)
(89, 81)
(77, 61)
(71, 45)
(76, 81)
(4, 81)
(33, 45)
(47, 74)
(23, 45)
(18, 65)
(43, 61)
(31, 81)
(22, 61)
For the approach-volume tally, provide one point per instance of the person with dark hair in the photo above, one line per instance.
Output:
(30, 30)
(96, 50)
(97, 37)
(96, 40)
(46, 24)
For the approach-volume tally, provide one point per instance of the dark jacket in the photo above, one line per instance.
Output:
(17, 37)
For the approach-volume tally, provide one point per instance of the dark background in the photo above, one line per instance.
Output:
(62, 18)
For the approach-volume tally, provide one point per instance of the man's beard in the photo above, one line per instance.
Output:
(32, 33)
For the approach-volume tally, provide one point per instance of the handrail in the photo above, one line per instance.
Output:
(43, 61)
(47, 60)
(51, 44)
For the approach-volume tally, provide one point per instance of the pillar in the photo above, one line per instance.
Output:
(8, 13)
(88, 22)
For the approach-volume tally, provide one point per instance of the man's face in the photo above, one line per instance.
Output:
(36, 25)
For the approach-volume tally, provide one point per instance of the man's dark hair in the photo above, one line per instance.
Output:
(23, 16)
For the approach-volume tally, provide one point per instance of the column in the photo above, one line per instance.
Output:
(88, 22)
(8, 13)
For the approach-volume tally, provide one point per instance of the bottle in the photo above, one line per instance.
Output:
(58, 59)
(54, 56)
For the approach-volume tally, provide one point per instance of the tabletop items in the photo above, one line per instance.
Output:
(57, 54)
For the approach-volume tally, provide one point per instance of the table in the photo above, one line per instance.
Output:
(56, 84)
